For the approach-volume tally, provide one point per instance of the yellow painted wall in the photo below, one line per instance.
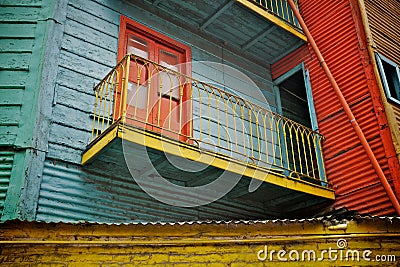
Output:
(207, 244)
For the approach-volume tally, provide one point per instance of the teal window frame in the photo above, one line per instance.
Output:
(394, 76)
(311, 109)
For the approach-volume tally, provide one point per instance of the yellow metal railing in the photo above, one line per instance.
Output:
(144, 94)
(281, 9)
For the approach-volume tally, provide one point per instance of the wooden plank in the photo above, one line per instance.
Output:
(93, 20)
(199, 54)
(10, 115)
(20, 31)
(79, 82)
(203, 71)
(274, 19)
(83, 65)
(84, 33)
(44, 61)
(19, 13)
(8, 134)
(68, 97)
(236, 26)
(258, 36)
(268, 48)
(189, 13)
(101, 11)
(16, 45)
(26, 3)
(61, 152)
(66, 136)
(15, 61)
(72, 117)
(11, 96)
(217, 13)
(89, 50)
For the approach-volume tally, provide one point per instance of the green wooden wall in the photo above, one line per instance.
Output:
(54, 52)
(24, 28)
(88, 50)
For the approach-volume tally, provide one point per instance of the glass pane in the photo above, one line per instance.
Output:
(169, 82)
(137, 46)
(392, 79)
(137, 95)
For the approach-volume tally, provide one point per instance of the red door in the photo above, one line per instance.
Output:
(157, 94)
(139, 96)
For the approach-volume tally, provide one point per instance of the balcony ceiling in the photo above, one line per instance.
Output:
(281, 197)
(242, 26)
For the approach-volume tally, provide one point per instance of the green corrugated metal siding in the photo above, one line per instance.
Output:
(69, 193)
(6, 162)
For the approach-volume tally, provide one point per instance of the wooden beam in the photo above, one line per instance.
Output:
(214, 16)
(156, 2)
(205, 178)
(258, 37)
(150, 169)
(291, 198)
(239, 192)
(300, 205)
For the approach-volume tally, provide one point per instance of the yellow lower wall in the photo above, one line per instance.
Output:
(207, 244)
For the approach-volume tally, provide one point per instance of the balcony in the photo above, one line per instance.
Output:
(207, 130)
(256, 29)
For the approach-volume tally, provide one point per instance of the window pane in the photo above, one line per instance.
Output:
(137, 46)
(137, 95)
(168, 80)
(392, 80)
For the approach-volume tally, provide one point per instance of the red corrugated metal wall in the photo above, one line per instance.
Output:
(332, 24)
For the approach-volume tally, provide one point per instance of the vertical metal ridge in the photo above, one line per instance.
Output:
(6, 163)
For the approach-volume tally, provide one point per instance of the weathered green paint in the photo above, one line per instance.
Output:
(16, 183)
(310, 99)
(6, 163)
(314, 122)
(24, 30)
(43, 117)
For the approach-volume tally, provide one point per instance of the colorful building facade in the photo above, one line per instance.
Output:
(346, 41)
(121, 111)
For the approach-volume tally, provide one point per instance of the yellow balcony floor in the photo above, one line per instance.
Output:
(282, 196)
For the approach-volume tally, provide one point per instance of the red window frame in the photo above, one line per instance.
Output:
(128, 26)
